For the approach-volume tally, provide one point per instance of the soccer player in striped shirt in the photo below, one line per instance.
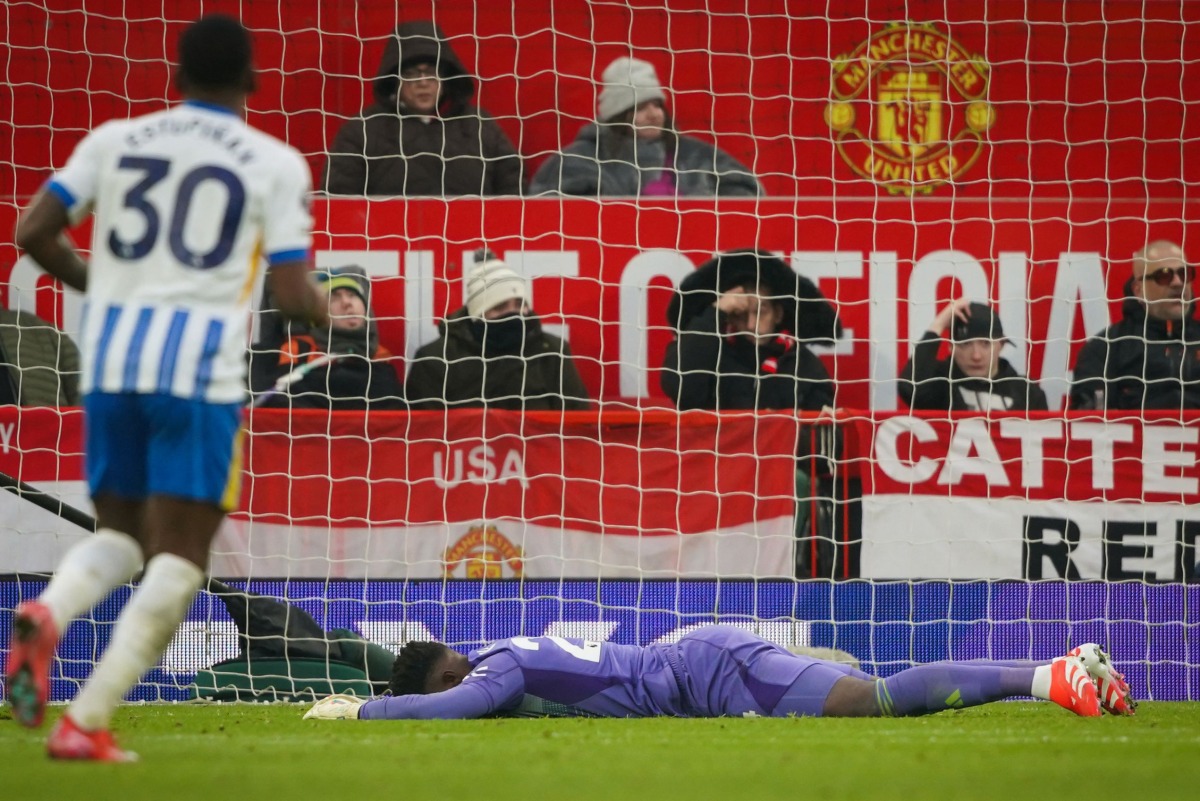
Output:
(714, 671)
(188, 203)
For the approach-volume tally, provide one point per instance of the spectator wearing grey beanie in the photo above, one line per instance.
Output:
(633, 149)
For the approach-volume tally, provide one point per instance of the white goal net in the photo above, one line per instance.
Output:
(891, 157)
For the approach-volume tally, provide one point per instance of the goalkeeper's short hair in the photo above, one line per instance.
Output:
(412, 667)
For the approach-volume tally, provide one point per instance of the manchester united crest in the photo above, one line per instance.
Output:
(909, 108)
(483, 553)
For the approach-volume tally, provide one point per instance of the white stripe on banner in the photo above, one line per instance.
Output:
(34, 540)
(498, 549)
(906, 536)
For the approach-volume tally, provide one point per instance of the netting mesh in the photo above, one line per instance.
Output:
(899, 155)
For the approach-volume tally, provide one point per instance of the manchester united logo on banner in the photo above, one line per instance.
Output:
(909, 108)
(483, 552)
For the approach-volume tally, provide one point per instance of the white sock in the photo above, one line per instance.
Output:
(1041, 682)
(89, 572)
(142, 633)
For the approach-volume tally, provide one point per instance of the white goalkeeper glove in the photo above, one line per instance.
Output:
(335, 707)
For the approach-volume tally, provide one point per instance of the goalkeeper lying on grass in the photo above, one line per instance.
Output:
(712, 672)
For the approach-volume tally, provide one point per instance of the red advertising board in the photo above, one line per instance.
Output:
(465, 494)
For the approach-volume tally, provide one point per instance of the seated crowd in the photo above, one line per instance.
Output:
(424, 136)
(743, 323)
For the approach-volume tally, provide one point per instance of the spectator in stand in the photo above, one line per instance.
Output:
(422, 135)
(1150, 359)
(633, 149)
(493, 352)
(39, 365)
(338, 367)
(974, 378)
(743, 322)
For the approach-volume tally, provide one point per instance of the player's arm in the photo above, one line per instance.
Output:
(287, 239)
(495, 685)
(297, 294)
(464, 702)
(40, 234)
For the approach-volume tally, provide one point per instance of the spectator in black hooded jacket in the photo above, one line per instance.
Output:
(974, 378)
(422, 135)
(743, 324)
(1150, 359)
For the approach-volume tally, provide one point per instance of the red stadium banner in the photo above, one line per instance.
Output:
(1043, 497)
(602, 273)
(466, 494)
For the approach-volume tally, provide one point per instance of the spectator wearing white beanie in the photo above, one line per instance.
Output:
(633, 150)
(491, 283)
(492, 352)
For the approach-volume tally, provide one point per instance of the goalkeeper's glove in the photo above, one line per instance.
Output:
(335, 707)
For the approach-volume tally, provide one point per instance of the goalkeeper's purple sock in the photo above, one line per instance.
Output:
(949, 685)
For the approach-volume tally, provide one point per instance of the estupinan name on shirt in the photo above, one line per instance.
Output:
(197, 126)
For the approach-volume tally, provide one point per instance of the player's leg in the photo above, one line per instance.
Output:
(949, 685)
(192, 481)
(94, 566)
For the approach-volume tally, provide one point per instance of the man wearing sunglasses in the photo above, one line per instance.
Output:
(1150, 359)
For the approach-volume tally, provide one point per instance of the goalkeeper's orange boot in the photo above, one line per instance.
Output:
(34, 637)
(1072, 688)
(1115, 697)
(68, 741)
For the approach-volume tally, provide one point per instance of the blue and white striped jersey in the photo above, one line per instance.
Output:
(188, 201)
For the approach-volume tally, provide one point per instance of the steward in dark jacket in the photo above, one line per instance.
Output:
(1140, 362)
(711, 365)
(505, 364)
(450, 149)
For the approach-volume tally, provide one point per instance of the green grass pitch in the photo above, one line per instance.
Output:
(1004, 751)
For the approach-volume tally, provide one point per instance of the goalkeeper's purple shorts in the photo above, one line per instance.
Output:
(726, 670)
(156, 444)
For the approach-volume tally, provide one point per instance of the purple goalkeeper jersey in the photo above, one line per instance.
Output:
(714, 671)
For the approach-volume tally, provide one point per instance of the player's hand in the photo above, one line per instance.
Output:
(335, 707)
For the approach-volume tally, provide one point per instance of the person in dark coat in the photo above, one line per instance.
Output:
(422, 135)
(39, 365)
(634, 150)
(1150, 358)
(493, 353)
(743, 323)
(974, 377)
(341, 367)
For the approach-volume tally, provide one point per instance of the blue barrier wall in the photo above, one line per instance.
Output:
(1153, 631)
